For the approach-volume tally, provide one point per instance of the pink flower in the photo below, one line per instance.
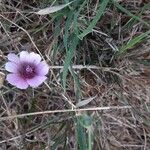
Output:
(26, 70)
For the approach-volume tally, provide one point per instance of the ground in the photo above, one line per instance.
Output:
(97, 94)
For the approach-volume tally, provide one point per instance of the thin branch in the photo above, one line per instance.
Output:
(25, 32)
(65, 111)
(83, 67)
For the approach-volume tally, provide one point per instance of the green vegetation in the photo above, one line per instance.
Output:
(96, 96)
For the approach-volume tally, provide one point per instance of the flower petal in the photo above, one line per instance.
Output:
(36, 81)
(12, 57)
(24, 56)
(30, 57)
(17, 81)
(36, 58)
(11, 67)
(42, 68)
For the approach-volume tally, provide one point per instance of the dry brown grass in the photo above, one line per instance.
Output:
(116, 81)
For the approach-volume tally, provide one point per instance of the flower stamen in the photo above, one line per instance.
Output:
(27, 71)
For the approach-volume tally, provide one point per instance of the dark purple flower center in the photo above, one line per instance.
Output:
(27, 71)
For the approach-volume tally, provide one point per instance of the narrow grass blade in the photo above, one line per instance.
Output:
(68, 58)
(129, 13)
(100, 12)
(67, 27)
(132, 21)
(57, 28)
(90, 138)
(81, 135)
(144, 62)
(59, 140)
(77, 85)
(76, 16)
(52, 9)
(133, 42)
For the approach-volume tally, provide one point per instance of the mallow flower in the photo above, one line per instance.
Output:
(26, 70)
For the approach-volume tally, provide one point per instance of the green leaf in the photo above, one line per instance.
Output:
(100, 12)
(86, 121)
(85, 132)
